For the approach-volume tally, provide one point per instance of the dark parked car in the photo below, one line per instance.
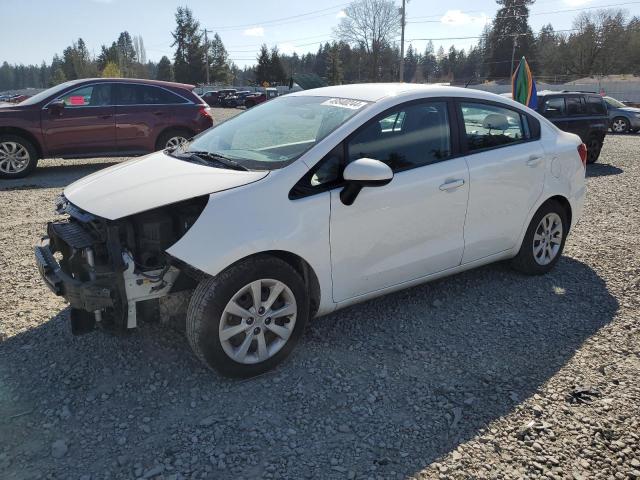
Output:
(582, 113)
(98, 117)
(623, 118)
(212, 97)
(259, 97)
(235, 100)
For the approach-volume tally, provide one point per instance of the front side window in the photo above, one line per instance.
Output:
(554, 107)
(412, 136)
(135, 94)
(275, 133)
(98, 95)
(597, 106)
(489, 126)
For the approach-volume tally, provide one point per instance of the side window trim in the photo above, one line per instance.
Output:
(454, 137)
(534, 131)
(75, 107)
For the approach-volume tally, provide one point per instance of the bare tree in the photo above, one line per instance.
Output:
(371, 25)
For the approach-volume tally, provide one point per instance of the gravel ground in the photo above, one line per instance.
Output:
(486, 374)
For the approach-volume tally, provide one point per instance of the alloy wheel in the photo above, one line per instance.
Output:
(14, 158)
(175, 142)
(547, 239)
(619, 125)
(258, 321)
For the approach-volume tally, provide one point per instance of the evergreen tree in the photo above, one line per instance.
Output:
(218, 59)
(165, 70)
(510, 27)
(263, 68)
(276, 71)
(334, 66)
(188, 64)
(429, 64)
(111, 70)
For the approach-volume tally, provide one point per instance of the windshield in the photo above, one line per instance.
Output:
(614, 103)
(38, 97)
(275, 133)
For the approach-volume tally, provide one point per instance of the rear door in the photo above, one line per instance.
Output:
(506, 172)
(142, 113)
(86, 124)
(579, 118)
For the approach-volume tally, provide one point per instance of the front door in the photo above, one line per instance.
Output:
(411, 227)
(84, 126)
(506, 169)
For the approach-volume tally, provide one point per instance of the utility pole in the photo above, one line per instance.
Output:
(513, 53)
(206, 51)
(402, 43)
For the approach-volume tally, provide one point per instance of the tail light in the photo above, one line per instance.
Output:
(204, 111)
(582, 151)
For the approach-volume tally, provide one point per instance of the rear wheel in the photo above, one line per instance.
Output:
(172, 139)
(594, 147)
(247, 320)
(620, 125)
(18, 157)
(544, 240)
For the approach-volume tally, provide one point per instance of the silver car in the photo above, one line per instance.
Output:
(622, 118)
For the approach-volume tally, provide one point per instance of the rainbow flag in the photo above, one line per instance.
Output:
(523, 86)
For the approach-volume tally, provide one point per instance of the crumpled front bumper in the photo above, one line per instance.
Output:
(90, 295)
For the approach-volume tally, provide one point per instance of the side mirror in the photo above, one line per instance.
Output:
(56, 106)
(364, 172)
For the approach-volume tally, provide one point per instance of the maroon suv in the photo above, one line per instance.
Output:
(98, 117)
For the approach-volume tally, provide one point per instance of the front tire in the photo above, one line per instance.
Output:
(18, 156)
(247, 320)
(620, 125)
(544, 240)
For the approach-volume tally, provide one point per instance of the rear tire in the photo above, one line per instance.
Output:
(18, 156)
(544, 240)
(594, 147)
(227, 302)
(172, 139)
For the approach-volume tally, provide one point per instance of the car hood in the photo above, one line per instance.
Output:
(630, 109)
(150, 182)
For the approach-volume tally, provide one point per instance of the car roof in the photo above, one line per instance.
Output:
(548, 93)
(374, 92)
(159, 83)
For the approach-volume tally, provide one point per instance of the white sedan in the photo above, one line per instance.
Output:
(309, 203)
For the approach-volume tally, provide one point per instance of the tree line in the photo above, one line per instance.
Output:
(365, 49)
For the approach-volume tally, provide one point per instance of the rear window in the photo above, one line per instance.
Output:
(596, 105)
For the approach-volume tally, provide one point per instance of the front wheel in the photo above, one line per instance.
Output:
(620, 125)
(18, 157)
(544, 240)
(246, 320)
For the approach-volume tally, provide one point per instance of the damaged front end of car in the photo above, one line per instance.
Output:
(113, 272)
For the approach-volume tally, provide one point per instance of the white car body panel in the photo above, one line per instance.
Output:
(149, 182)
(392, 237)
(403, 231)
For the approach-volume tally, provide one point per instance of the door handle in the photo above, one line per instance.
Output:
(452, 184)
(158, 113)
(105, 117)
(534, 160)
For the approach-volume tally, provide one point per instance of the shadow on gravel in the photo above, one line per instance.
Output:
(382, 389)
(602, 170)
(55, 176)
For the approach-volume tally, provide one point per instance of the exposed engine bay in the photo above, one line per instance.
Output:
(113, 271)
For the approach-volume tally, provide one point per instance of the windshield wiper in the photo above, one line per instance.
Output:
(217, 157)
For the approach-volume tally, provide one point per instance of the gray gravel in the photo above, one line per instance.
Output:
(487, 374)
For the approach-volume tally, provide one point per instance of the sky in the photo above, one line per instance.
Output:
(46, 27)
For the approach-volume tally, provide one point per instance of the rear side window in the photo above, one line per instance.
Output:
(596, 105)
(554, 107)
(412, 136)
(576, 106)
(134, 94)
(98, 95)
(489, 126)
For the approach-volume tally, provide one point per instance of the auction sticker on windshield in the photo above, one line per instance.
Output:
(344, 103)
